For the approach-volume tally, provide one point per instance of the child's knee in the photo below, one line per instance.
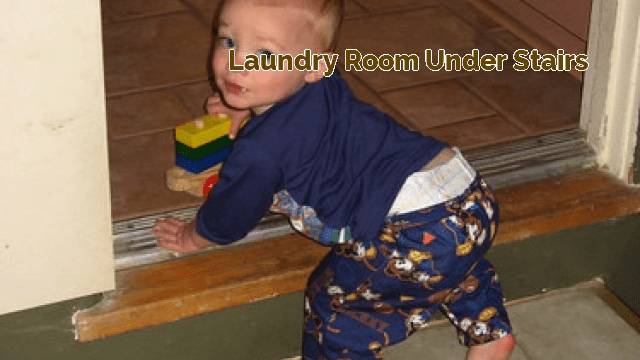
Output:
(509, 341)
(505, 346)
(500, 349)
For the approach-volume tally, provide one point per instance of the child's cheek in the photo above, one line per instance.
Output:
(220, 62)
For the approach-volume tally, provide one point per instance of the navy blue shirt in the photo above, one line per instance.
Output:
(332, 152)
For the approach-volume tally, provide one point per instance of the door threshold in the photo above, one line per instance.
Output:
(503, 165)
(194, 285)
(533, 159)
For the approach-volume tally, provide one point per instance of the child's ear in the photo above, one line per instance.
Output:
(315, 75)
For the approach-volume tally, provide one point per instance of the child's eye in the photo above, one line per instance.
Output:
(265, 52)
(227, 42)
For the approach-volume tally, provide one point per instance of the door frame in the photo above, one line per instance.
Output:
(611, 89)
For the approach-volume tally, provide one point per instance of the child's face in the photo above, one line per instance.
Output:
(252, 28)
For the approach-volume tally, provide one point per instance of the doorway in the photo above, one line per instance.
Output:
(156, 78)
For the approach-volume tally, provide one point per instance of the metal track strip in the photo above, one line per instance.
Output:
(533, 159)
(134, 245)
(502, 165)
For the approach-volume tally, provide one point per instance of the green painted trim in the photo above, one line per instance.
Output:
(607, 250)
(271, 329)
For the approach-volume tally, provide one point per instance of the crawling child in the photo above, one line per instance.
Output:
(407, 219)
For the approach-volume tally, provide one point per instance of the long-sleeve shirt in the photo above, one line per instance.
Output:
(332, 153)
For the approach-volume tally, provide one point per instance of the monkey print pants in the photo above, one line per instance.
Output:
(370, 294)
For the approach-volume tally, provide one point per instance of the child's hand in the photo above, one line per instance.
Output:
(179, 236)
(216, 106)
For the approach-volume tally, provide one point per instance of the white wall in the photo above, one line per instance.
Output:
(55, 225)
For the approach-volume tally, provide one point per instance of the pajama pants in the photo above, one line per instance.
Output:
(369, 294)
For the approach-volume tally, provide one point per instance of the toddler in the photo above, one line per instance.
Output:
(407, 219)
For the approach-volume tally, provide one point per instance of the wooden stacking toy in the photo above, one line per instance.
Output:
(201, 147)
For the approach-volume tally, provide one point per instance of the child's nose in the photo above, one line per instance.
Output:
(239, 61)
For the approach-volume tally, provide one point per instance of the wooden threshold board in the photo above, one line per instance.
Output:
(195, 285)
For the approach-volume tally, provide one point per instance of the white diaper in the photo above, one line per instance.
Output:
(426, 188)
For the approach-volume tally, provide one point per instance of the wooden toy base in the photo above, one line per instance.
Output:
(198, 185)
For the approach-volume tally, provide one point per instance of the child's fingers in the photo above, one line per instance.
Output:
(215, 98)
(170, 224)
(213, 109)
(175, 221)
(170, 245)
(167, 239)
(168, 229)
(214, 105)
(235, 126)
(171, 234)
(164, 236)
(174, 243)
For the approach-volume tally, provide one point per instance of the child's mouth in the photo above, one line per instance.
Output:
(234, 88)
